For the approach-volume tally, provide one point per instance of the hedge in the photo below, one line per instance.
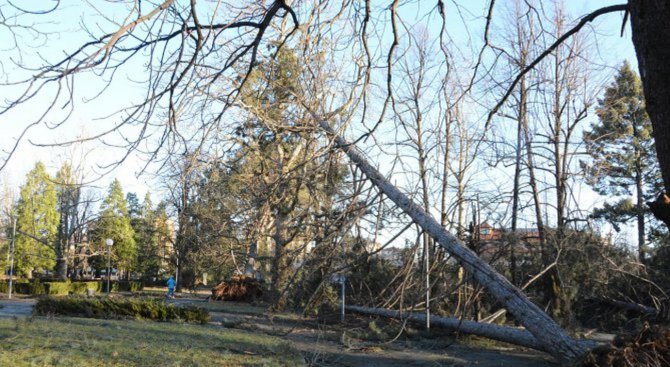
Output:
(115, 308)
(83, 287)
(60, 287)
(123, 286)
(24, 286)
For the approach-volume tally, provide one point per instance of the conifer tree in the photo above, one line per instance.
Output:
(114, 223)
(134, 206)
(621, 145)
(146, 237)
(37, 222)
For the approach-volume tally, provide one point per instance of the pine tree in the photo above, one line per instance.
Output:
(37, 222)
(134, 207)
(164, 239)
(115, 223)
(146, 237)
(622, 148)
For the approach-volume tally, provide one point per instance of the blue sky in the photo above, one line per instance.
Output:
(88, 118)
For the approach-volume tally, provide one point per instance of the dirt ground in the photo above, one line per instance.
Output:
(337, 344)
(332, 345)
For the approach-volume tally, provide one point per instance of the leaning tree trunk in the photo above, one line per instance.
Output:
(651, 37)
(492, 331)
(547, 332)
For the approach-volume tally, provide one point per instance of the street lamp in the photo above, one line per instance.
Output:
(11, 264)
(109, 242)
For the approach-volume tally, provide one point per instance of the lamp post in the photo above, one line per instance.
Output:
(11, 261)
(109, 242)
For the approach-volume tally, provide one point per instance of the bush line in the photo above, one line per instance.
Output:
(37, 287)
(119, 308)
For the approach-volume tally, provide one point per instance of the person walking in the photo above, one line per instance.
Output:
(171, 284)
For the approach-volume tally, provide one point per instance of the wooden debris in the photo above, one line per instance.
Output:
(650, 347)
(238, 288)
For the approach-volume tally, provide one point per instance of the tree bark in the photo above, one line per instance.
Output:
(492, 331)
(517, 179)
(651, 38)
(61, 266)
(639, 212)
(278, 260)
(548, 333)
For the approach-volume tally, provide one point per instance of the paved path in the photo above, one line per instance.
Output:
(16, 307)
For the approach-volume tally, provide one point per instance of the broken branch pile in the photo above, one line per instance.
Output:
(650, 347)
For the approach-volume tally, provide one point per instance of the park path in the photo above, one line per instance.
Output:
(16, 307)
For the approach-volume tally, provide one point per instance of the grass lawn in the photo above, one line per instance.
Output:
(231, 307)
(87, 342)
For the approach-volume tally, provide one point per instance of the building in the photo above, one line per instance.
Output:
(491, 243)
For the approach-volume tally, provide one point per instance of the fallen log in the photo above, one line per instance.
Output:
(548, 333)
(505, 334)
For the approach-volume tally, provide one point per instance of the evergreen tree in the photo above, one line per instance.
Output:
(622, 148)
(37, 222)
(164, 239)
(147, 237)
(134, 207)
(115, 223)
(283, 170)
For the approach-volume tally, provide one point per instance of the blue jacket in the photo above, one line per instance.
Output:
(171, 283)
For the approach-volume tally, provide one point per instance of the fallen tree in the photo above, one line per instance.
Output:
(550, 336)
(238, 288)
(492, 331)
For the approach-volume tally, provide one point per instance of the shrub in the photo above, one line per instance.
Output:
(123, 286)
(64, 287)
(115, 308)
(56, 288)
(83, 287)
(28, 287)
(20, 286)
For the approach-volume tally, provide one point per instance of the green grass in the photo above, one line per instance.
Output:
(85, 342)
(231, 307)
